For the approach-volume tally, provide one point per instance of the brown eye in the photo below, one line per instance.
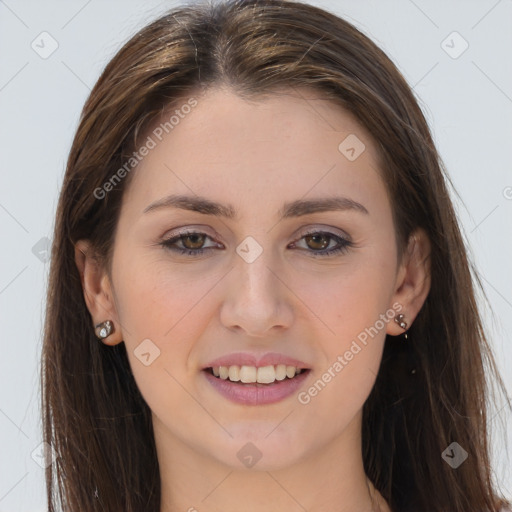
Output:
(319, 241)
(196, 240)
(190, 243)
(319, 244)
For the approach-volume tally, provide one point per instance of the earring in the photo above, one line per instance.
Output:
(104, 329)
(400, 321)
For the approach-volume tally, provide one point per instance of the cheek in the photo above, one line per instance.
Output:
(355, 306)
(159, 299)
(351, 298)
(351, 354)
(161, 313)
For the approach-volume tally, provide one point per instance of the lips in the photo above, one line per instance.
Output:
(247, 359)
(255, 393)
(250, 379)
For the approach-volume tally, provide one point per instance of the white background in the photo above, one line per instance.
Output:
(467, 101)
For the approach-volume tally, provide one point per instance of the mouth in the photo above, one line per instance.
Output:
(251, 385)
(263, 375)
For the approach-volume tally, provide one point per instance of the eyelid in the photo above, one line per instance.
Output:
(200, 229)
(191, 230)
(327, 230)
(177, 237)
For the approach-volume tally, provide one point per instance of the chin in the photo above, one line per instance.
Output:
(258, 449)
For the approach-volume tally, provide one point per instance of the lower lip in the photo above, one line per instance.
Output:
(255, 393)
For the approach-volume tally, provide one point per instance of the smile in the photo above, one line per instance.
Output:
(251, 385)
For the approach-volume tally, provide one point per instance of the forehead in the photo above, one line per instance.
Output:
(293, 141)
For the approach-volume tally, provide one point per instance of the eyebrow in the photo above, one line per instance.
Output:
(296, 208)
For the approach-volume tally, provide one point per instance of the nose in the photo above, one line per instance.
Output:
(257, 301)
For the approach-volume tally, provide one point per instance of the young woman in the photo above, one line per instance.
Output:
(259, 297)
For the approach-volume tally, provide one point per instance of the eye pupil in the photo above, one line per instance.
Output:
(199, 240)
(316, 238)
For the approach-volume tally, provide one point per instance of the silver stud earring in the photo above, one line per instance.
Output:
(399, 319)
(104, 329)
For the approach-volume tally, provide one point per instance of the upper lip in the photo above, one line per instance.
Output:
(258, 360)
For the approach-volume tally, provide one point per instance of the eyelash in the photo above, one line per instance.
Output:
(343, 246)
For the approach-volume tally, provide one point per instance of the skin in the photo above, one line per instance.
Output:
(256, 156)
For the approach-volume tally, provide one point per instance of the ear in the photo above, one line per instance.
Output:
(97, 290)
(412, 283)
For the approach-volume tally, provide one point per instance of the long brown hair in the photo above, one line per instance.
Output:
(93, 413)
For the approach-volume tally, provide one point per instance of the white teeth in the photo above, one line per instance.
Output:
(234, 373)
(248, 374)
(290, 371)
(280, 372)
(266, 374)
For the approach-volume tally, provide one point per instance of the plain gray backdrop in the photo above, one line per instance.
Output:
(455, 54)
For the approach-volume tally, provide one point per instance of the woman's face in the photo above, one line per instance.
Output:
(259, 288)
